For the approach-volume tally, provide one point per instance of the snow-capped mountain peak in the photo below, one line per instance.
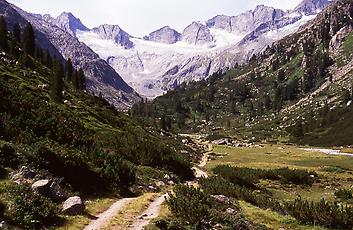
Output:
(114, 32)
(165, 35)
(69, 23)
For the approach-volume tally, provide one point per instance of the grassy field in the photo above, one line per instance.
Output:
(335, 172)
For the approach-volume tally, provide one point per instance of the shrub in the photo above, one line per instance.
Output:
(344, 194)
(249, 177)
(29, 210)
(190, 205)
(2, 209)
(8, 157)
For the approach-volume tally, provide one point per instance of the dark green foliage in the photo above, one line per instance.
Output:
(17, 33)
(78, 80)
(57, 82)
(194, 209)
(322, 213)
(249, 177)
(29, 40)
(8, 156)
(3, 34)
(29, 210)
(190, 205)
(344, 194)
(2, 209)
(69, 70)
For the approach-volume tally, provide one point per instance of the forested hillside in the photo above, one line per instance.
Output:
(299, 89)
(51, 128)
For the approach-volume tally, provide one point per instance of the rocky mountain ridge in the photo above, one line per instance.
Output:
(165, 58)
(57, 35)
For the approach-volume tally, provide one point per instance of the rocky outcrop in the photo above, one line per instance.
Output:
(23, 175)
(73, 206)
(310, 7)
(338, 38)
(164, 35)
(68, 22)
(115, 33)
(197, 34)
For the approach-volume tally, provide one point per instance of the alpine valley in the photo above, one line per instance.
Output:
(240, 122)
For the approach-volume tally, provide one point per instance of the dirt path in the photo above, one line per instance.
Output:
(105, 217)
(329, 152)
(151, 212)
(154, 208)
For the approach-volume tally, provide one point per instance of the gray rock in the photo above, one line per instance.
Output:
(115, 33)
(309, 7)
(222, 22)
(160, 184)
(338, 38)
(230, 211)
(73, 206)
(164, 35)
(56, 192)
(197, 34)
(41, 187)
(67, 22)
(23, 175)
(221, 198)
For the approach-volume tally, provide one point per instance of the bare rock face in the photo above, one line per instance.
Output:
(197, 34)
(338, 38)
(69, 23)
(115, 33)
(73, 206)
(309, 7)
(164, 35)
(250, 20)
(222, 22)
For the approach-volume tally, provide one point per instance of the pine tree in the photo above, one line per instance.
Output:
(69, 70)
(29, 40)
(17, 33)
(47, 60)
(81, 79)
(3, 34)
(56, 82)
(75, 79)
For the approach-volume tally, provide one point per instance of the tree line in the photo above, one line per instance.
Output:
(21, 44)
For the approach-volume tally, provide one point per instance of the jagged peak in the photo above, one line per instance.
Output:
(310, 7)
(68, 22)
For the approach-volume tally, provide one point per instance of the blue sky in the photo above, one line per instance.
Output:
(140, 17)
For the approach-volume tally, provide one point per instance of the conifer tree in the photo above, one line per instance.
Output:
(47, 60)
(69, 70)
(3, 34)
(75, 79)
(56, 82)
(81, 79)
(17, 33)
(29, 40)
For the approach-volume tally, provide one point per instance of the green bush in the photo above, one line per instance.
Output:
(249, 177)
(344, 194)
(29, 210)
(190, 205)
(8, 157)
(2, 209)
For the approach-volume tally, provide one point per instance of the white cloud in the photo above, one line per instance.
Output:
(139, 17)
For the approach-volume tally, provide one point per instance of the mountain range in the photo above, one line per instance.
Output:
(122, 67)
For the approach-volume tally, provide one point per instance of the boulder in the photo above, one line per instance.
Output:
(221, 198)
(73, 206)
(41, 187)
(56, 192)
(338, 38)
(160, 184)
(167, 177)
